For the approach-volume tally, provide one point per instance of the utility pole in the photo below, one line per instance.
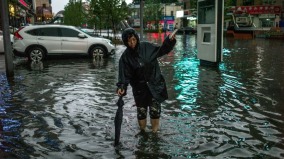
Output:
(6, 38)
(141, 19)
(165, 20)
(42, 12)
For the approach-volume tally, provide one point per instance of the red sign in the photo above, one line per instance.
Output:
(257, 9)
(24, 3)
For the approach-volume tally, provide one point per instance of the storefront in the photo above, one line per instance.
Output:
(19, 13)
(167, 22)
(262, 16)
(186, 18)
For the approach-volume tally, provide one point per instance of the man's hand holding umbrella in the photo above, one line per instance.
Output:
(118, 115)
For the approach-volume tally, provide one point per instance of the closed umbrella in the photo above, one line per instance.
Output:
(118, 120)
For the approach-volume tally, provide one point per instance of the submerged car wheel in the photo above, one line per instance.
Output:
(36, 54)
(98, 52)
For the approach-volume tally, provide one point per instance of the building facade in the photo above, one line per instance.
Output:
(187, 15)
(167, 20)
(20, 13)
(262, 13)
(43, 11)
(23, 12)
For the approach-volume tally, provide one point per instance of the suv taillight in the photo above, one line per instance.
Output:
(17, 36)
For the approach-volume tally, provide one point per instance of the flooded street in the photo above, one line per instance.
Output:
(65, 108)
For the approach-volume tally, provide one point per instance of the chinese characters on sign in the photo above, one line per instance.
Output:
(257, 9)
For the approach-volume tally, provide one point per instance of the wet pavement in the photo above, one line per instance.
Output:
(65, 108)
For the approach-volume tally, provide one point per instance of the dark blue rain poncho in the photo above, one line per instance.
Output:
(139, 67)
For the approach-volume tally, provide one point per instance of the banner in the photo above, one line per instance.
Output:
(257, 9)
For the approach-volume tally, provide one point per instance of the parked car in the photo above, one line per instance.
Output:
(38, 41)
(188, 30)
(2, 41)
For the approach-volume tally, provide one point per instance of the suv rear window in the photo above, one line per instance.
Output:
(44, 32)
(33, 32)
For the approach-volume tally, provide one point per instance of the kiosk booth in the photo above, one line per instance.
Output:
(210, 31)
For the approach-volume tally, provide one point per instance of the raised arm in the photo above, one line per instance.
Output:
(167, 46)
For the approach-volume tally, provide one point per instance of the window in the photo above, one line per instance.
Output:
(47, 32)
(269, 2)
(207, 37)
(266, 23)
(33, 32)
(206, 12)
(66, 32)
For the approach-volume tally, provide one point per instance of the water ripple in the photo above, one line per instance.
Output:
(65, 108)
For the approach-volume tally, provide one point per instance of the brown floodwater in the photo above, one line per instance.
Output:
(65, 107)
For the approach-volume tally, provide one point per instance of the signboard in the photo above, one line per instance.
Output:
(136, 22)
(179, 14)
(168, 18)
(266, 16)
(257, 9)
(23, 3)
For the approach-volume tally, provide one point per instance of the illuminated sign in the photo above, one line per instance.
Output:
(179, 14)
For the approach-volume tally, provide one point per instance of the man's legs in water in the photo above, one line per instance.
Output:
(142, 124)
(155, 113)
(155, 125)
(142, 117)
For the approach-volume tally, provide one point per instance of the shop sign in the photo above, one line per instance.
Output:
(266, 16)
(168, 18)
(179, 14)
(136, 22)
(23, 3)
(257, 9)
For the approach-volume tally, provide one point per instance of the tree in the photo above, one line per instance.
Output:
(73, 13)
(153, 10)
(108, 13)
(193, 4)
(158, 1)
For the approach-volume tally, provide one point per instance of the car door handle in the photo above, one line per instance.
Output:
(40, 39)
(64, 40)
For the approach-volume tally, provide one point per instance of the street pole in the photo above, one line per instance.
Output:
(6, 38)
(42, 13)
(165, 20)
(141, 19)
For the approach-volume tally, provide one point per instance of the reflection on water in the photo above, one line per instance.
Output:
(65, 108)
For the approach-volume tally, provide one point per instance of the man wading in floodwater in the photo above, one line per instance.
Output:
(139, 67)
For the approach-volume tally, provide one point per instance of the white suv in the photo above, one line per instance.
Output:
(38, 41)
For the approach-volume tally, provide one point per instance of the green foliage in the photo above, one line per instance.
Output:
(103, 14)
(193, 4)
(228, 3)
(73, 13)
(157, 1)
(153, 10)
(108, 13)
